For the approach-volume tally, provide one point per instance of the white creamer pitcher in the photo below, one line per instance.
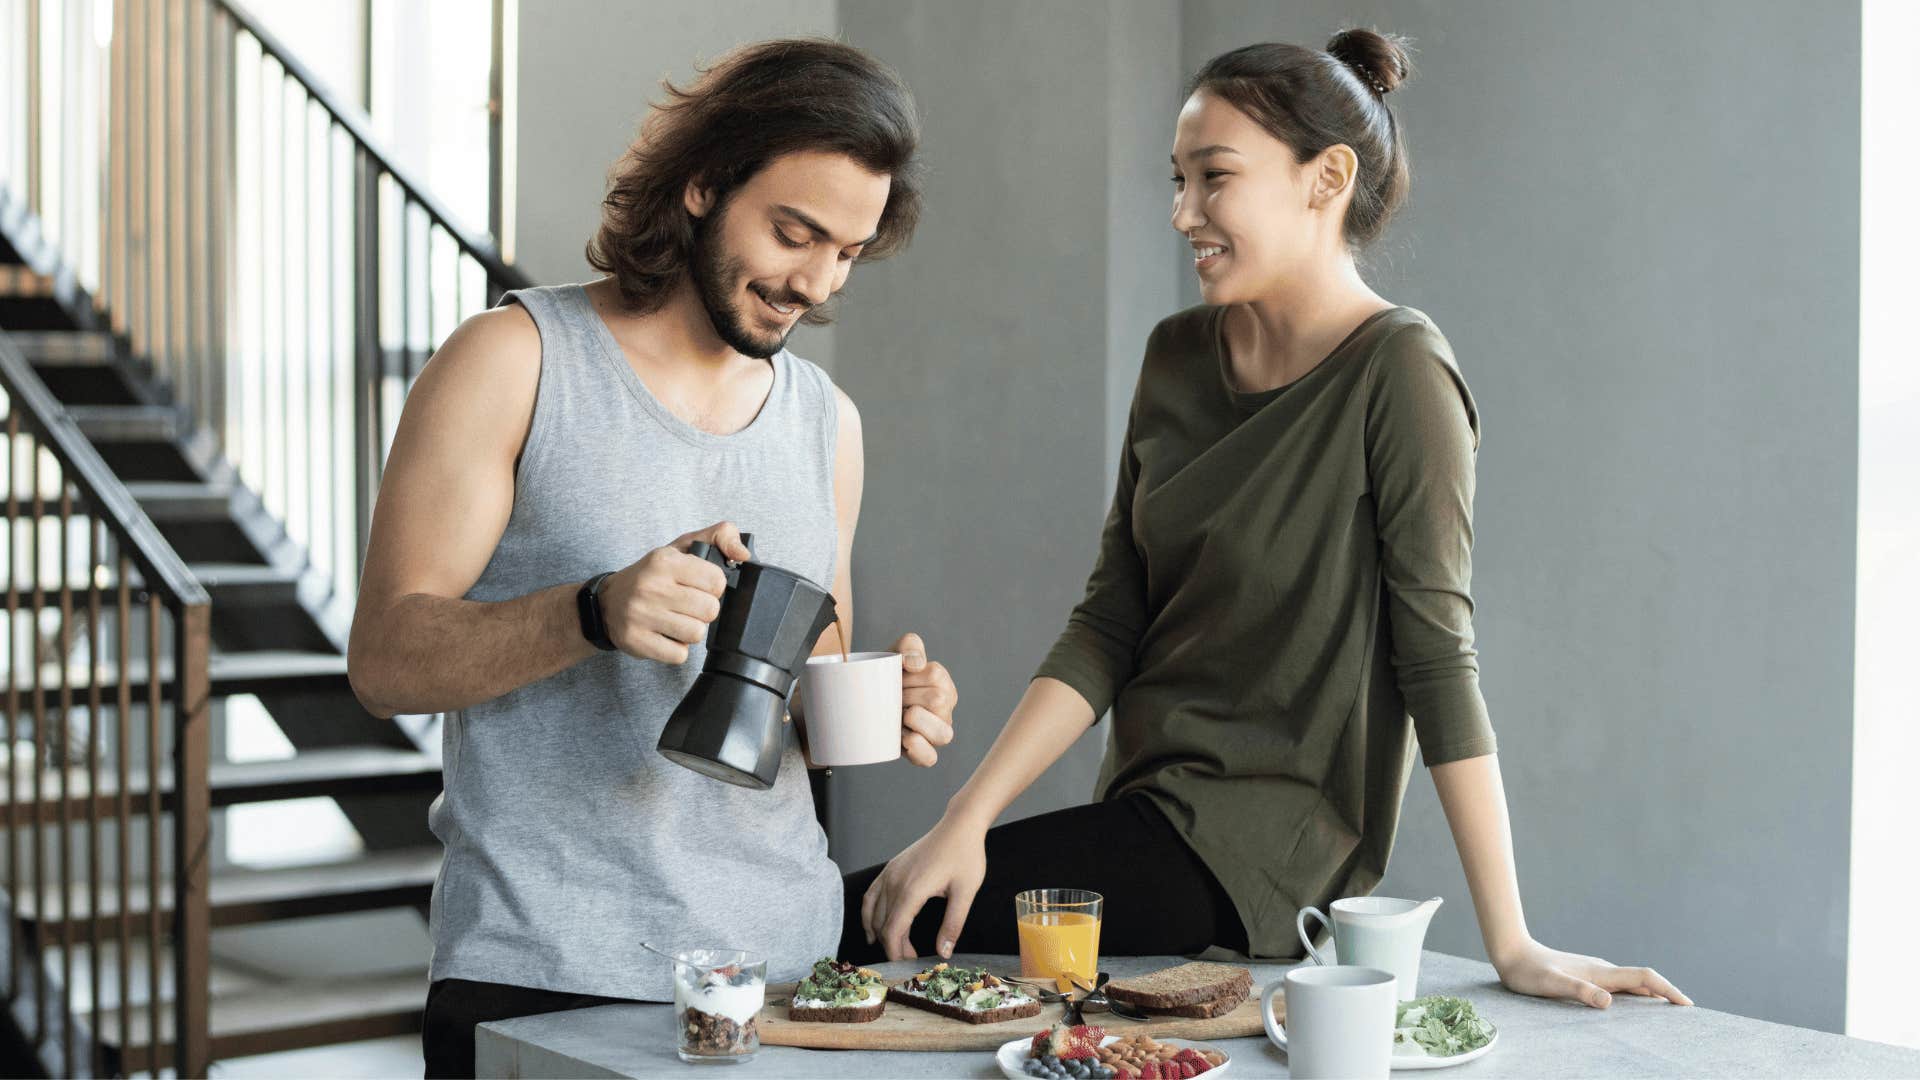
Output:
(1377, 932)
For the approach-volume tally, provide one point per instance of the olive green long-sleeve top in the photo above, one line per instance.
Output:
(1282, 579)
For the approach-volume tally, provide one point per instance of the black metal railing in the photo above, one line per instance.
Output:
(82, 563)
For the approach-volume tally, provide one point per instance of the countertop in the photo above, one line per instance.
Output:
(1538, 1039)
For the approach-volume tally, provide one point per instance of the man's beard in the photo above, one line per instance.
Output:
(714, 275)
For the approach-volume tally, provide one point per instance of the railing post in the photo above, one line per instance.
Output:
(192, 924)
(31, 188)
(366, 348)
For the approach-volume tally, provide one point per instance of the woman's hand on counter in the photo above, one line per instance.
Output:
(1534, 969)
(950, 861)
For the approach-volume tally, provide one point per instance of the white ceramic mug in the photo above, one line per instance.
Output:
(852, 709)
(1375, 931)
(1339, 1022)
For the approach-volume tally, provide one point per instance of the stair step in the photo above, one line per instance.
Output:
(237, 584)
(35, 301)
(338, 772)
(264, 672)
(66, 348)
(247, 584)
(243, 896)
(175, 500)
(277, 671)
(289, 1016)
(127, 423)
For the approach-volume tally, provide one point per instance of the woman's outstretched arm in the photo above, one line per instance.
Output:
(1476, 806)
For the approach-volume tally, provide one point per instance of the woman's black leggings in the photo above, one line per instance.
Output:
(1161, 900)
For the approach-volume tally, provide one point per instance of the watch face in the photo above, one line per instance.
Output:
(593, 626)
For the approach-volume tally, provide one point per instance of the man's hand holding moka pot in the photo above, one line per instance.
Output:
(660, 605)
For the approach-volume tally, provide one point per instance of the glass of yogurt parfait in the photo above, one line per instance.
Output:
(717, 994)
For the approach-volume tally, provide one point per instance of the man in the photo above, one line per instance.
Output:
(527, 570)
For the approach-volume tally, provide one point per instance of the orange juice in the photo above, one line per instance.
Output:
(1054, 944)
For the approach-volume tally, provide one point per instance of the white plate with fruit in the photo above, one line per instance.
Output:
(1089, 1053)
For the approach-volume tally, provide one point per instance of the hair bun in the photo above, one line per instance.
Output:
(1381, 60)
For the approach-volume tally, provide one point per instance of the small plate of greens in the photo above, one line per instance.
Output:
(1436, 1032)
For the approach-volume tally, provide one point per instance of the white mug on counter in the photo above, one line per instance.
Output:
(852, 708)
(1375, 931)
(1339, 1022)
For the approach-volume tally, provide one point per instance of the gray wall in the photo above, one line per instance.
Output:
(1638, 224)
(984, 359)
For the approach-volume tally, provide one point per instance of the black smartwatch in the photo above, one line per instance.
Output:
(593, 624)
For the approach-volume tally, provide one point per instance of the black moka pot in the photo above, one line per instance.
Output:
(731, 724)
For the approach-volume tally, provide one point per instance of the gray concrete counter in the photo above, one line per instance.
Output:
(1538, 1039)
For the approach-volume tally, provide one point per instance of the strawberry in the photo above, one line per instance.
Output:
(1041, 1044)
(1191, 1058)
(1084, 1041)
(1073, 1043)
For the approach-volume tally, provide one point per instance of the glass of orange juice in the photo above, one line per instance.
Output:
(1059, 934)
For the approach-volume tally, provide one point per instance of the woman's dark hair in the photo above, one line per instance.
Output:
(1311, 100)
(749, 107)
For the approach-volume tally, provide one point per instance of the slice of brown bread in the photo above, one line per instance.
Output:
(1219, 1006)
(837, 1014)
(1031, 1007)
(1188, 984)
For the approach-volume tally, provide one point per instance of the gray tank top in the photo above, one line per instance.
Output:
(569, 839)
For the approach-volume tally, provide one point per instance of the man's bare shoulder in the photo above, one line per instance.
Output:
(479, 388)
(498, 342)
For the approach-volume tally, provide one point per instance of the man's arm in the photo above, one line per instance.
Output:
(416, 645)
(444, 502)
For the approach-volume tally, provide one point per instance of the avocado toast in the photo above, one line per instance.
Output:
(838, 993)
(974, 995)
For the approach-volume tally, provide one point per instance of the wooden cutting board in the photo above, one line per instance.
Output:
(903, 1027)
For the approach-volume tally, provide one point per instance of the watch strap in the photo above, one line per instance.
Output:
(593, 622)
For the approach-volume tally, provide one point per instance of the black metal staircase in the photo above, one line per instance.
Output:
(227, 297)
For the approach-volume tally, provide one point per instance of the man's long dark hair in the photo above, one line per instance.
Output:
(749, 107)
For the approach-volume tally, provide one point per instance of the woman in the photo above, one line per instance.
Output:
(1283, 578)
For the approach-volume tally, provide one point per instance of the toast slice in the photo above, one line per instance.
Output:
(1016, 1011)
(1186, 985)
(1219, 1006)
(973, 995)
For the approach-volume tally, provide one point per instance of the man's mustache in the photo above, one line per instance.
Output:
(785, 299)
